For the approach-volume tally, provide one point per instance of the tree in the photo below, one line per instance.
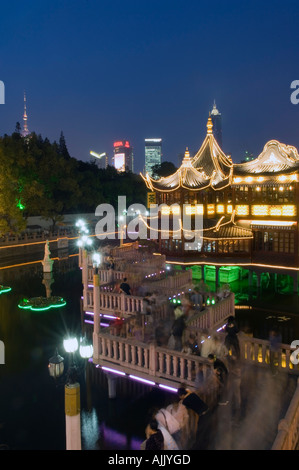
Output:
(62, 148)
(164, 169)
(18, 128)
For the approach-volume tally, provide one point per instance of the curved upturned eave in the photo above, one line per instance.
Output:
(209, 142)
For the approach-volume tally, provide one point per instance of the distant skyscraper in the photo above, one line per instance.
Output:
(123, 158)
(153, 154)
(217, 124)
(25, 131)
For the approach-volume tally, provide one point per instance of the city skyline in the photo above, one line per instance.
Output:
(96, 79)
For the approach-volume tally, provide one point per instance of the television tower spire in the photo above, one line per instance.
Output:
(25, 127)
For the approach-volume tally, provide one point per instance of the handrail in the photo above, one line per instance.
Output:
(288, 428)
(133, 356)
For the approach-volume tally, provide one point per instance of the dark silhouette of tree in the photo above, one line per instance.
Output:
(18, 128)
(38, 180)
(164, 169)
(62, 147)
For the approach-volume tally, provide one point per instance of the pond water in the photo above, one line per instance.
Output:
(32, 404)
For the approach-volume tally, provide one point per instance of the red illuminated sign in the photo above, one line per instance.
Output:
(120, 143)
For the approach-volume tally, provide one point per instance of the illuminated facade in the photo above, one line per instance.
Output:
(153, 154)
(123, 159)
(249, 210)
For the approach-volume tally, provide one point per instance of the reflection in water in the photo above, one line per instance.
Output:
(90, 429)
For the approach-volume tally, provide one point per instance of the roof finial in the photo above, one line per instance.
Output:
(186, 159)
(210, 125)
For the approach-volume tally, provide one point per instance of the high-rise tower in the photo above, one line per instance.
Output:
(153, 154)
(123, 156)
(217, 124)
(25, 131)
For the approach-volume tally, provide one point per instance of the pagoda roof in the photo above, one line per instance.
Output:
(210, 167)
(275, 158)
(186, 177)
(227, 229)
(211, 159)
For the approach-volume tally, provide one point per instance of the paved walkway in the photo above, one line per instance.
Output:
(265, 399)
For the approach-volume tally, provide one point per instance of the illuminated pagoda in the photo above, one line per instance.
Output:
(249, 210)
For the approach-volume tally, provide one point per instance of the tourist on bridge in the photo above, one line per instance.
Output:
(196, 408)
(197, 299)
(178, 328)
(124, 287)
(154, 437)
(221, 372)
(186, 304)
(231, 340)
(191, 345)
(180, 413)
(207, 344)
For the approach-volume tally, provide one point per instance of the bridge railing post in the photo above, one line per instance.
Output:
(152, 359)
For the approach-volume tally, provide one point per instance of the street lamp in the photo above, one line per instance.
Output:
(71, 388)
(70, 344)
(84, 240)
(86, 349)
(97, 260)
(56, 366)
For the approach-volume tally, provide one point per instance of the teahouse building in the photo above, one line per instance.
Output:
(249, 210)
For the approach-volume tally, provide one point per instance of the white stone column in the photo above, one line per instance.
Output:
(84, 277)
(111, 385)
(72, 416)
(97, 318)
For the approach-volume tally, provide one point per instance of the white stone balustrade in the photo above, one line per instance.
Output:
(257, 351)
(116, 303)
(150, 361)
(213, 316)
(288, 428)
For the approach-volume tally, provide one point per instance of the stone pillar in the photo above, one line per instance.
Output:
(111, 385)
(217, 277)
(84, 278)
(295, 283)
(203, 272)
(152, 359)
(258, 283)
(250, 274)
(72, 416)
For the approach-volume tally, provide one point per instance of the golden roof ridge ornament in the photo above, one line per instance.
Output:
(187, 159)
(210, 125)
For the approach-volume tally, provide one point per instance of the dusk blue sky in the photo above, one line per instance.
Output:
(108, 70)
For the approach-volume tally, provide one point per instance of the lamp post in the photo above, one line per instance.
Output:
(71, 388)
(83, 243)
(97, 258)
(84, 240)
(56, 366)
(72, 400)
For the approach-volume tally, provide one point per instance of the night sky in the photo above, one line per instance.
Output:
(108, 70)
